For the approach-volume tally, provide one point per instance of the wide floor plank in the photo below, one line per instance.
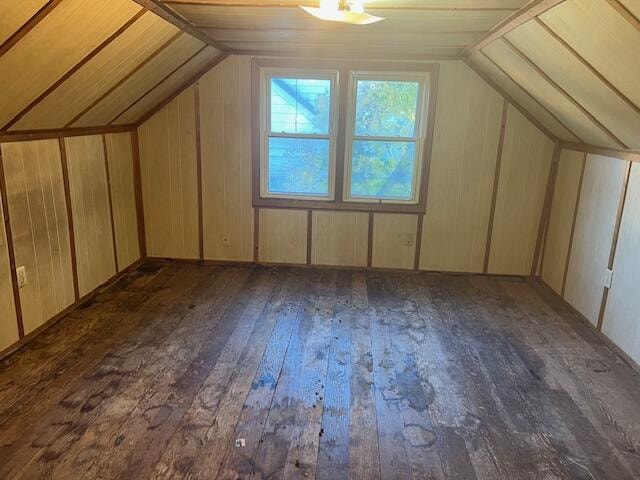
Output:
(208, 372)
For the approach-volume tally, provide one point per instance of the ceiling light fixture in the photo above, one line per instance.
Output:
(342, 11)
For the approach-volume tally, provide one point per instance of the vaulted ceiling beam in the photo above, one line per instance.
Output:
(183, 24)
(526, 13)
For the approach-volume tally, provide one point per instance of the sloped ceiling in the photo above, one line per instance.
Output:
(412, 29)
(89, 63)
(571, 65)
(574, 65)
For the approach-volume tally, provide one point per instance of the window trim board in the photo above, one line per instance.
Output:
(343, 67)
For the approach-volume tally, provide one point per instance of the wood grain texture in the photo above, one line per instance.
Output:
(579, 82)
(394, 237)
(121, 183)
(620, 318)
(166, 86)
(90, 210)
(283, 236)
(16, 14)
(78, 26)
(558, 236)
(546, 94)
(339, 238)
(8, 321)
(595, 224)
(462, 169)
(169, 180)
(99, 75)
(526, 161)
(322, 373)
(603, 37)
(225, 115)
(141, 81)
(40, 229)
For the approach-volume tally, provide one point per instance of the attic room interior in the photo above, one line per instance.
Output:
(252, 239)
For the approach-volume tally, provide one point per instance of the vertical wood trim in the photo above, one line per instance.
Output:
(591, 68)
(28, 26)
(496, 184)
(113, 223)
(10, 249)
(614, 240)
(563, 92)
(309, 235)
(199, 171)
(534, 99)
(72, 234)
(546, 209)
(75, 68)
(573, 226)
(256, 234)
(416, 259)
(341, 133)
(370, 241)
(137, 188)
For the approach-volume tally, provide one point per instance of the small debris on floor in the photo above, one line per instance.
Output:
(240, 442)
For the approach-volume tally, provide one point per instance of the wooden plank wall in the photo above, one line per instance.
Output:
(593, 227)
(169, 179)
(59, 207)
(463, 184)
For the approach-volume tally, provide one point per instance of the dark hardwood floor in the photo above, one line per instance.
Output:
(203, 372)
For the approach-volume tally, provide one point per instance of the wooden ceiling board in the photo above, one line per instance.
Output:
(352, 38)
(36, 62)
(15, 14)
(604, 38)
(545, 93)
(633, 6)
(141, 82)
(373, 4)
(378, 52)
(395, 20)
(99, 75)
(574, 77)
(523, 98)
(170, 85)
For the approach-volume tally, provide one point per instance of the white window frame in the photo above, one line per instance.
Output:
(266, 74)
(418, 139)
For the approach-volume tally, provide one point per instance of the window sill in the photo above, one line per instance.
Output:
(352, 206)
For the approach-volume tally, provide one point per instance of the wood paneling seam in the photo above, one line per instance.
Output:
(573, 226)
(496, 184)
(614, 240)
(75, 68)
(110, 200)
(28, 26)
(563, 92)
(10, 249)
(72, 234)
(538, 257)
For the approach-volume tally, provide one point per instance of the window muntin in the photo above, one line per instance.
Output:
(384, 137)
(298, 134)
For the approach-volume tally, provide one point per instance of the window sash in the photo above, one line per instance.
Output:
(266, 133)
(351, 137)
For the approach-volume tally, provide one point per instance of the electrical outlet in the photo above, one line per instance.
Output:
(408, 240)
(225, 239)
(608, 278)
(21, 273)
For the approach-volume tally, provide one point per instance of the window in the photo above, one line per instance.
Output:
(298, 137)
(384, 137)
(337, 134)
